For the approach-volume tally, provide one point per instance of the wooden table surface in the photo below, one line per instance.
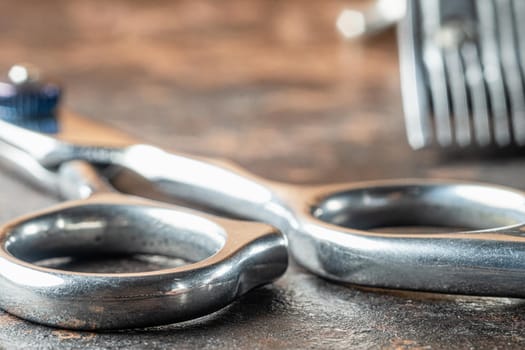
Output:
(270, 85)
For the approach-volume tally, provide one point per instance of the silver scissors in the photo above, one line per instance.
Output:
(331, 230)
(227, 258)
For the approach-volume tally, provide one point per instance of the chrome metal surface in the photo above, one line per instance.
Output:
(478, 94)
(416, 103)
(456, 76)
(492, 65)
(511, 68)
(331, 228)
(484, 83)
(435, 68)
(227, 258)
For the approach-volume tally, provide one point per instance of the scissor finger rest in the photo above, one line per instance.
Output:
(228, 259)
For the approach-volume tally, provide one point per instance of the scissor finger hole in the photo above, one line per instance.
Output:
(114, 238)
(426, 206)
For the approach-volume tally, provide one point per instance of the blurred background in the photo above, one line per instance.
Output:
(260, 82)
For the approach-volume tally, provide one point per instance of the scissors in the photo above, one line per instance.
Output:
(227, 257)
(332, 229)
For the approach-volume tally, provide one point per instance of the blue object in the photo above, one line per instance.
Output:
(32, 105)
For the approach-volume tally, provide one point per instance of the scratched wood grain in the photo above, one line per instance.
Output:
(268, 84)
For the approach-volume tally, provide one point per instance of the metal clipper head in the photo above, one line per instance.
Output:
(463, 72)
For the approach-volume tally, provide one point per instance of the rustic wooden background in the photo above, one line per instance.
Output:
(270, 85)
